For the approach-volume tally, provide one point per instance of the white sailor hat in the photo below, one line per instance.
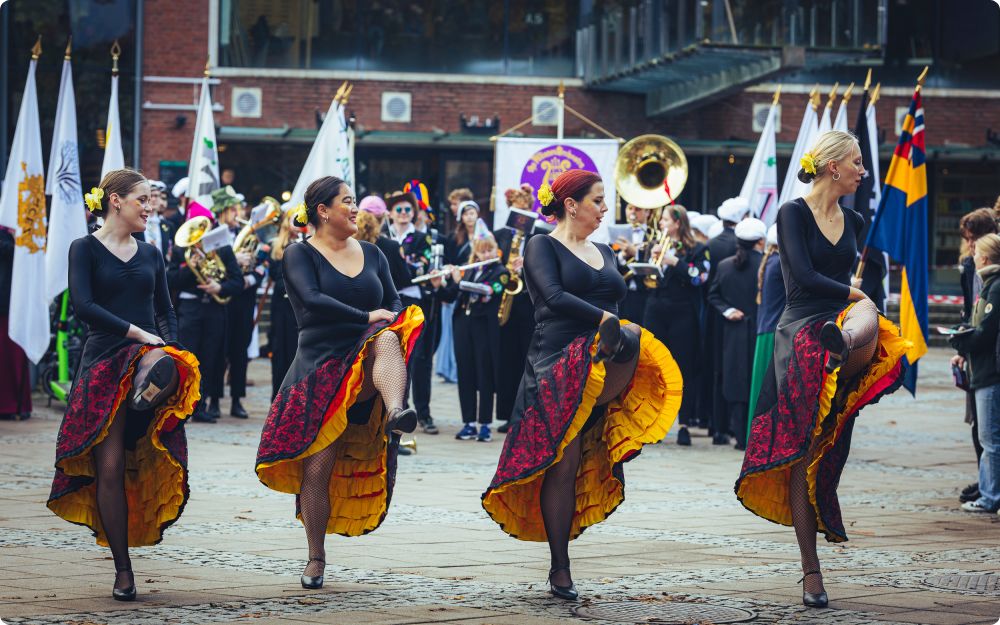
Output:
(181, 188)
(704, 223)
(734, 209)
(157, 185)
(772, 235)
(751, 230)
(715, 230)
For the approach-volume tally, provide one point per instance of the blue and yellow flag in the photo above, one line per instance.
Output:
(900, 229)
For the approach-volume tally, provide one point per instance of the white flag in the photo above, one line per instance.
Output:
(113, 156)
(22, 209)
(793, 188)
(203, 167)
(840, 122)
(760, 188)
(873, 144)
(330, 155)
(67, 218)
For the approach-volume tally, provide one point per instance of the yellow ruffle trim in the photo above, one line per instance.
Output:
(642, 414)
(155, 482)
(358, 481)
(766, 493)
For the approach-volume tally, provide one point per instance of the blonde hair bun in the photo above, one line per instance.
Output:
(830, 147)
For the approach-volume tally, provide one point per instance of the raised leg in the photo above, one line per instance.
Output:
(619, 371)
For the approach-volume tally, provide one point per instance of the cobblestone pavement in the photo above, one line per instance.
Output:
(679, 542)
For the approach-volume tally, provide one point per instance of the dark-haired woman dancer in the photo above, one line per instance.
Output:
(573, 424)
(121, 458)
(331, 437)
(833, 355)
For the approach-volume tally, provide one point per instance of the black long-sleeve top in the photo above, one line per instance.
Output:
(562, 285)
(688, 278)
(324, 298)
(812, 266)
(110, 294)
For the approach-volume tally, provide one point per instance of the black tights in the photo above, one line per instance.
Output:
(804, 521)
(112, 505)
(385, 374)
(558, 495)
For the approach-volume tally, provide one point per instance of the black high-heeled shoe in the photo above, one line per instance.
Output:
(831, 337)
(155, 380)
(568, 593)
(402, 421)
(813, 599)
(124, 594)
(312, 582)
(610, 342)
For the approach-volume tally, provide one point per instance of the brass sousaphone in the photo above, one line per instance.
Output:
(646, 168)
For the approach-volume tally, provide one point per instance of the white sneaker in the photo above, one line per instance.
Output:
(975, 506)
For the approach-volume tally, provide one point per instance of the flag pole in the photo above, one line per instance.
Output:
(864, 250)
(116, 51)
(561, 119)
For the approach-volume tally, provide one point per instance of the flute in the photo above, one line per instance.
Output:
(442, 273)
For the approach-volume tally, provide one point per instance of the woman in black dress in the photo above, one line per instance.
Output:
(673, 310)
(282, 334)
(833, 355)
(331, 437)
(133, 389)
(573, 426)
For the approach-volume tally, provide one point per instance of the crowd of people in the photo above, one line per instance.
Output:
(585, 352)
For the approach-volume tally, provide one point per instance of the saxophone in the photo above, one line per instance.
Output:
(515, 285)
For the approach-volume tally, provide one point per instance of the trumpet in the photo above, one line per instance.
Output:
(515, 285)
(442, 273)
(206, 266)
(410, 444)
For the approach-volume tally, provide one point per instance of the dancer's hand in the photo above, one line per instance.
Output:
(139, 335)
(380, 314)
(856, 295)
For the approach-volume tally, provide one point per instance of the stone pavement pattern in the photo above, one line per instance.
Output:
(680, 540)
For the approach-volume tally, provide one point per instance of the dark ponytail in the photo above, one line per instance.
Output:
(743, 252)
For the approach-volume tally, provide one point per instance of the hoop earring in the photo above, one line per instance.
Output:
(573, 214)
(836, 175)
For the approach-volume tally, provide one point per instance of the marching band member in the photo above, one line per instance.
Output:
(477, 334)
(283, 333)
(770, 305)
(833, 355)
(121, 455)
(561, 468)
(201, 320)
(332, 432)
(733, 294)
(176, 215)
(674, 307)
(634, 306)
(159, 232)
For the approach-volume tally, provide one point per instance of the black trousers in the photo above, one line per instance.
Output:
(239, 329)
(477, 346)
(515, 339)
(421, 365)
(675, 324)
(201, 328)
(738, 421)
(282, 339)
(634, 306)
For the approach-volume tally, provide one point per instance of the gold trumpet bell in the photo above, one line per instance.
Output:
(642, 167)
(410, 444)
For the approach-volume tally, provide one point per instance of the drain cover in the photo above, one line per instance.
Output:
(983, 583)
(664, 612)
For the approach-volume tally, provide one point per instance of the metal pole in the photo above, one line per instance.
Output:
(137, 100)
(4, 86)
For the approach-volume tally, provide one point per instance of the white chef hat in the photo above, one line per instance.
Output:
(734, 209)
(181, 188)
(751, 230)
(692, 215)
(715, 230)
(772, 235)
(704, 223)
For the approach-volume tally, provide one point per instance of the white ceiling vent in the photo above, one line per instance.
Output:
(544, 110)
(760, 112)
(247, 102)
(396, 107)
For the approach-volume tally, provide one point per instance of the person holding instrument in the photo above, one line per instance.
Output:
(133, 389)
(833, 355)
(332, 434)
(574, 426)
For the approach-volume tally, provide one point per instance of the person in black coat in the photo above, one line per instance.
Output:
(15, 384)
(721, 247)
(283, 332)
(635, 247)
(515, 334)
(733, 294)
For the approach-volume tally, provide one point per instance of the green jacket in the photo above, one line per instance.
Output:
(980, 346)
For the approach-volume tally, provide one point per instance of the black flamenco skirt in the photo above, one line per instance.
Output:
(317, 407)
(556, 404)
(156, 480)
(805, 414)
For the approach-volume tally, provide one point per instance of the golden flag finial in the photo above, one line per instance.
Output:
(36, 50)
(116, 51)
(347, 95)
(847, 94)
(875, 94)
(340, 92)
(777, 95)
(833, 95)
(208, 67)
(868, 79)
(562, 90)
(69, 49)
(922, 77)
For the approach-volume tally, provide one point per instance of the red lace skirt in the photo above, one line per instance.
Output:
(156, 484)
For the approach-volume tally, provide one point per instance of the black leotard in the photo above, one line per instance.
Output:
(110, 294)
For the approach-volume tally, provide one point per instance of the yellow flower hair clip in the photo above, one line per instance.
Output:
(300, 215)
(808, 163)
(545, 195)
(93, 199)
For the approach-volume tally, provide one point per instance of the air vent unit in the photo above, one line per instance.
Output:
(247, 102)
(901, 113)
(760, 112)
(544, 110)
(396, 107)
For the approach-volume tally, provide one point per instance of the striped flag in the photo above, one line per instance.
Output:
(900, 229)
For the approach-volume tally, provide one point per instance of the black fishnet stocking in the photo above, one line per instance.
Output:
(558, 502)
(804, 521)
(385, 372)
(112, 506)
(314, 502)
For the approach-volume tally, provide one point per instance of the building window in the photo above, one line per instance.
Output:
(511, 37)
